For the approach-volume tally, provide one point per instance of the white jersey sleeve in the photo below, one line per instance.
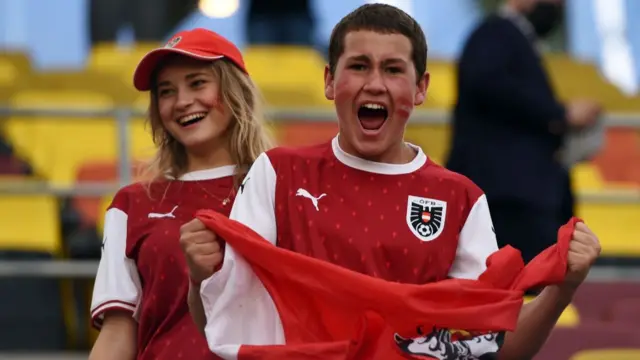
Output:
(476, 242)
(254, 205)
(234, 299)
(117, 285)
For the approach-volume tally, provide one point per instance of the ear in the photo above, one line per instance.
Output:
(421, 93)
(329, 90)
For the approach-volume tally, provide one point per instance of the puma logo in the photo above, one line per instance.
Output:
(167, 215)
(304, 193)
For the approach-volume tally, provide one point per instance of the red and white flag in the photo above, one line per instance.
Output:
(271, 303)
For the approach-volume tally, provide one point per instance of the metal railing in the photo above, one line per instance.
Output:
(122, 117)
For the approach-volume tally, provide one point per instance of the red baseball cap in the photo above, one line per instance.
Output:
(198, 43)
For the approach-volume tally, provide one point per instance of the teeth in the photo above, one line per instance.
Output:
(374, 106)
(191, 117)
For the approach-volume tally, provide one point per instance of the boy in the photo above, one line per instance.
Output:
(370, 202)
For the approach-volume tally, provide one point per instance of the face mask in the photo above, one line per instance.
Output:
(545, 17)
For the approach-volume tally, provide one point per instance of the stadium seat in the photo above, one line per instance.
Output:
(287, 76)
(609, 354)
(575, 79)
(304, 133)
(442, 92)
(31, 308)
(89, 207)
(587, 177)
(619, 162)
(29, 223)
(434, 140)
(56, 146)
(616, 226)
(120, 61)
(12, 66)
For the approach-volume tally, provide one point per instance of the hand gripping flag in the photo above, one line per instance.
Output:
(270, 303)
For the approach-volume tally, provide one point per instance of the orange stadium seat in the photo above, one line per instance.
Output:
(619, 161)
(89, 207)
(305, 133)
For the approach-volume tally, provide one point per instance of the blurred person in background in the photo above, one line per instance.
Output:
(509, 127)
(207, 122)
(280, 22)
(151, 19)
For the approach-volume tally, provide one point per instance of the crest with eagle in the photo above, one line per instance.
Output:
(426, 217)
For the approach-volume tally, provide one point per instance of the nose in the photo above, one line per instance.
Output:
(184, 100)
(375, 83)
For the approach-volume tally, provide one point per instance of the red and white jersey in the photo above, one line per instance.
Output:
(142, 269)
(411, 223)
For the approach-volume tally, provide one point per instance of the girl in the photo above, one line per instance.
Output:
(207, 122)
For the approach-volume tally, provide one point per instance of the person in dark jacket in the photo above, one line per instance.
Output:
(508, 126)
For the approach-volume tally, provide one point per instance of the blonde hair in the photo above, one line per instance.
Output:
(248, 136)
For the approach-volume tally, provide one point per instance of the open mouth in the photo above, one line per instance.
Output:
(191, 119)
(372, 116)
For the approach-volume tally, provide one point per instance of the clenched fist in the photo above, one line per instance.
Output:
(201, 249)
(584, 249)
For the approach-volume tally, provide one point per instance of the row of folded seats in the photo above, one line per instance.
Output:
(50, 314)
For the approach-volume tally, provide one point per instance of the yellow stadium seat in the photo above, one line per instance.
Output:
(569, 317)
(608, 354)
(434, 139)
(586, 177)
(442, 92)
(616, 225)
(118, 60)
(13, 65)
(30, 223)
(13, 68)
(9, 73)
(55, 147)
(575, 79)
(287, 76)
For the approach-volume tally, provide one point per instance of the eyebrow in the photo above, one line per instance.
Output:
(365, 58)
(189, 76)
